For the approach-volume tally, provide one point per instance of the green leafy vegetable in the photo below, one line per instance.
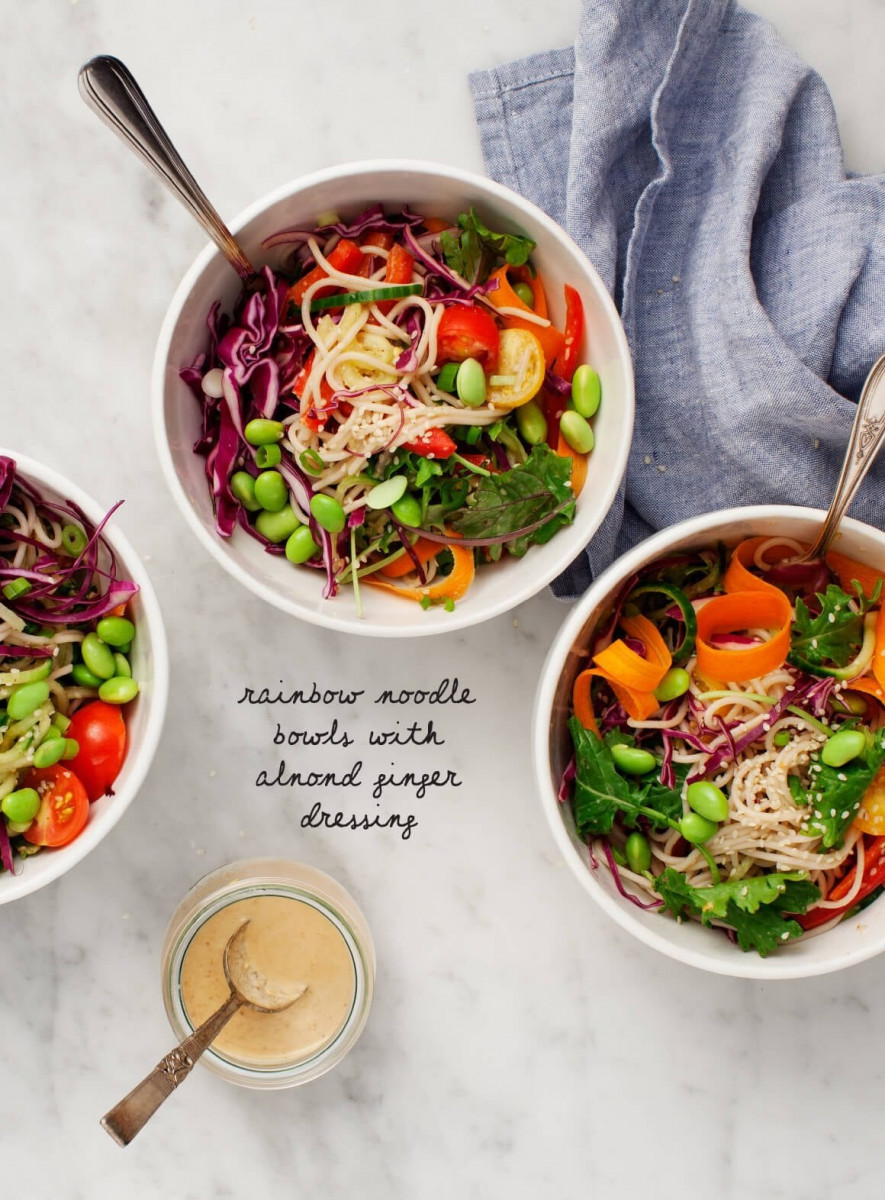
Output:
(755, 908)
(836, 792)
(519, 497)
(602, 793)
(474, 253)
(833, 637)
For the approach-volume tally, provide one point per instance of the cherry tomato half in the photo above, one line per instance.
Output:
(64, 806)
(467, 333)
(100, 732)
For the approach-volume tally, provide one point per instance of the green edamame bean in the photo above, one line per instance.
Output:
(525, 293)
(470, 383)
(123, 669)
(531, 423)
(385, 494)
(707, 800)
(586, 391)
(271, 491)
(638, 852)
(328, 513)
(52, 734)
(408, 511)
(71, 748)
(577, 432)
(49, 751)
(243, 487)
(781, 738)
(118, 690)
(674, 684)
(83, 677)
(267, 456)
(262, 432)
(98, 657)
(697, 829)
(842, 747)
(277, 526)
(26, 698)
(22, 806)
(115, 631)
(632, 760)
(60, 721)
(301, 546)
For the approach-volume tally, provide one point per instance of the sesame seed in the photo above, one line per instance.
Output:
(845, 816)
(832, 812)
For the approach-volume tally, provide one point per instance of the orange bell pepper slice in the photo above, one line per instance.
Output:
(551, 339)
(579, 464)
(453, 587)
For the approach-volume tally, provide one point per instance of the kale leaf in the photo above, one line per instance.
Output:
(833, 637)
(757, 909)
(601, 792)
(474, 253)
(506, 503)
(836, 792)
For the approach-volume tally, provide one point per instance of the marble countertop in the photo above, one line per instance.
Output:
(520, 1044)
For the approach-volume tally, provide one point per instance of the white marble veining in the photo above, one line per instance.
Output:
(520, 1045)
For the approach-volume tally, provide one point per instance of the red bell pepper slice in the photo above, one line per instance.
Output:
(873, 877)
(346, 257)
(435, 443)
(399, 270)
(574, 331)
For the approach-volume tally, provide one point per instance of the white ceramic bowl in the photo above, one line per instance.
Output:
(849, 943)
(425, 187)
(144, 715)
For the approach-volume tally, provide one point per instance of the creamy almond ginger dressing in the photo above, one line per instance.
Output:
(292, 950)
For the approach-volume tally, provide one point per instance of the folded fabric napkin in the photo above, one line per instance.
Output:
(696, 161)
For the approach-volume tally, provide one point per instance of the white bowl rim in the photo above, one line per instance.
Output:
(742, 966)
(462, 617)
(65, 857)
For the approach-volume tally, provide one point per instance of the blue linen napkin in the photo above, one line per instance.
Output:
(696, 161)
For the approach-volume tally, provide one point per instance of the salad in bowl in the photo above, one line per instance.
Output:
(718, 743)
(403, 403)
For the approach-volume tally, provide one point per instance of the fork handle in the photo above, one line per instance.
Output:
(867, 435)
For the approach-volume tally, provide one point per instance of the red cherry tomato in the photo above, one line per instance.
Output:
(64, 806)
(100, 732)
(467, 333)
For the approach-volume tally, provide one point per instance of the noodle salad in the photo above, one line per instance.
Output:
(729, 741)
(64, 670)
(394, 406)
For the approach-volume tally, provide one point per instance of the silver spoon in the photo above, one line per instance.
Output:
(110, 90)
(247, 989)
(867, 435)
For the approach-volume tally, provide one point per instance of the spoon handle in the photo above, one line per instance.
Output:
(867, 435)
(126, 1118)
(110, 91)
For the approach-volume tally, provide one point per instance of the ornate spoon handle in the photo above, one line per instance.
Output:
(867, 435)
(110, 91)
(126, 1118)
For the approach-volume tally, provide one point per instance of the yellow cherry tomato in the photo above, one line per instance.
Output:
(871, 815)
(520, 357)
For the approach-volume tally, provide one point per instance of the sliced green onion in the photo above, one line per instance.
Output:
(16, 587)
(355, 575)
(737, 696)
(395, 291)
(809, 719)
(503, 380)
(470, 466)
(73, 539)
(473, 434)
(311, 462)
(445, 380)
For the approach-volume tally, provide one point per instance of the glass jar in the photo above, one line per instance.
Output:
(271, 877)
